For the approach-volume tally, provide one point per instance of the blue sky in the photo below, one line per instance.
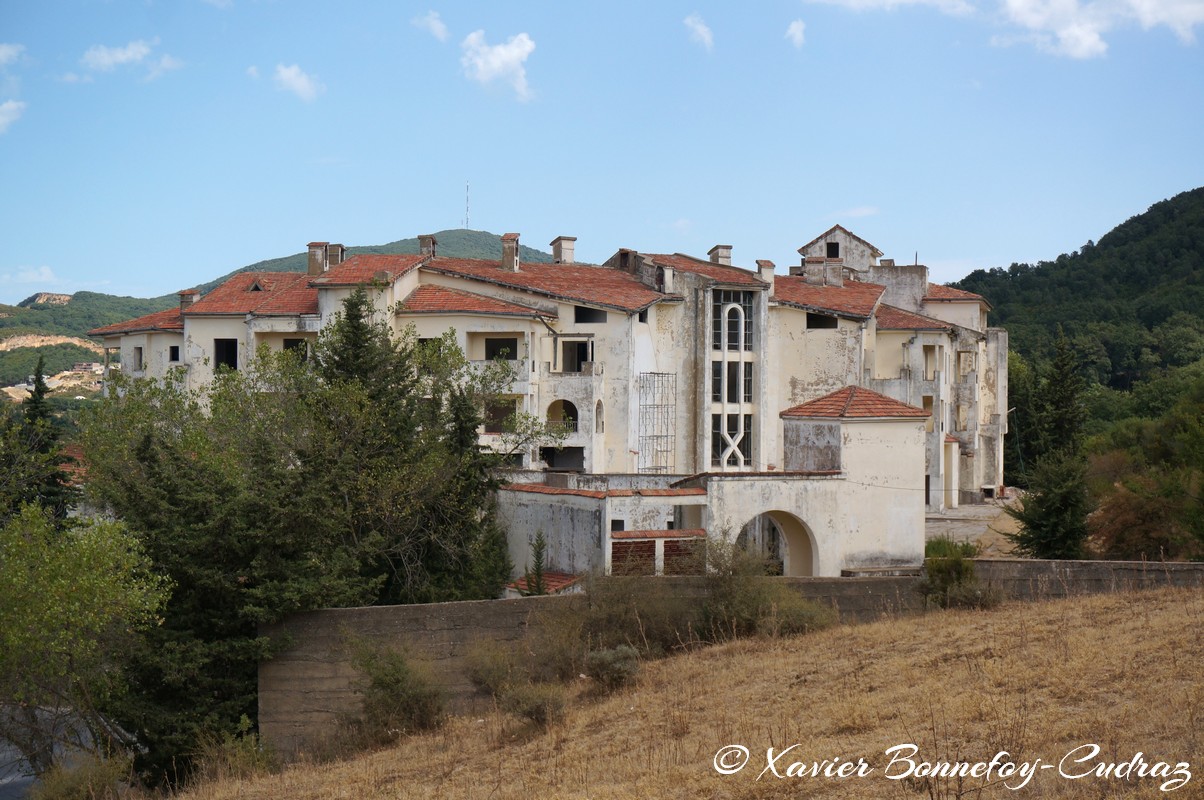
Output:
(149, 146)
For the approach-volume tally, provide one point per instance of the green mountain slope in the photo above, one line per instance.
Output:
(457, 243)
(1132, 304)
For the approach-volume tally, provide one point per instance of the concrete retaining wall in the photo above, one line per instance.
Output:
(307, 688)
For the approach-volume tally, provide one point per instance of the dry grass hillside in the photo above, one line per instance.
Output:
(1124, 672)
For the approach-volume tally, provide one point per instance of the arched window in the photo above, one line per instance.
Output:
(562, 414)
(599, 420)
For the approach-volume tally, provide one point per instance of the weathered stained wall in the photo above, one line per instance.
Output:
(810, 445)
(572, 527)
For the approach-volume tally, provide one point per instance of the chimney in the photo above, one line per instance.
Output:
(426, 244)
(813, 270)
(188, 297)
(765, 270)
(834, 272)
(334, 255)
(562, 249)
(721, 254)
(510, 252)
(317, 258)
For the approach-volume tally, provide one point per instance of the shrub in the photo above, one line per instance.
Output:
(232, 755)
(556, 640)
(492, 666)
(613, 667)
(90, 779)
(541, 703)
(399, 696)
(945, 547)
(949, 580)
(742, 600)
(648, 614)
(784, 612)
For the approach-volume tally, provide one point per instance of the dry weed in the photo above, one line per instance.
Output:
(1037, 680)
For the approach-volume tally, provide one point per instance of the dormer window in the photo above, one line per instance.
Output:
(255, 287)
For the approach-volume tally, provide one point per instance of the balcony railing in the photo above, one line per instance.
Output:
(563, 426)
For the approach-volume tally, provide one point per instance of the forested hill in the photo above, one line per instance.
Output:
(457, 243)
(1131, 304)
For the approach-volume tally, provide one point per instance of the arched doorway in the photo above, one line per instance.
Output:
(783, 540)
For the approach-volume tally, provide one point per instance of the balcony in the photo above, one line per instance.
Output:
(520, 382)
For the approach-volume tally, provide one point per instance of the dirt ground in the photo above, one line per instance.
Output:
(984, 524)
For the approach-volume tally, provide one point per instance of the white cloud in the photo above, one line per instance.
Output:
(955, 7)
(75, 77)
(10, 112)
(253, 72)
(164, 63)
(699, 32)
(10, 52)
(293, 79)
(1063, 27)
(1076, 29)
(485, 63)
(42, 275)
(1072, 28)
(856, 212)
(102, 58)
(795, 32)
(432, 23)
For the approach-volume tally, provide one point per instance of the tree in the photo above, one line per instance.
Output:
(31, 459)
(70, 601)
(36, 408)
(1053, 517)
(353, 478)
(238, 495)
(534, 575)
(1061, 400)
(1053, 514)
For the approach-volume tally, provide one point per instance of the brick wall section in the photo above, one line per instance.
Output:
(307, 688)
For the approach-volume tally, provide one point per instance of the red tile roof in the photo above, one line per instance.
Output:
(855, 402)
(951, 439)
(890, 318)
(681, 533)
(721, 273)
(443, 300)
(854, 299)
(539, 488)
(259, 293)
(939, 293)
(553, 582)
(169, 320)
(365, 267)
(847, 232)
(584, 283)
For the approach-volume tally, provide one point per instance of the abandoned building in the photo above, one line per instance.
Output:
(814, 415)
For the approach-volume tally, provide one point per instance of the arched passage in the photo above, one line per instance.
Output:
(783, 540)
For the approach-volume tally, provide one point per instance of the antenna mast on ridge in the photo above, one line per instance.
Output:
(466, 205)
